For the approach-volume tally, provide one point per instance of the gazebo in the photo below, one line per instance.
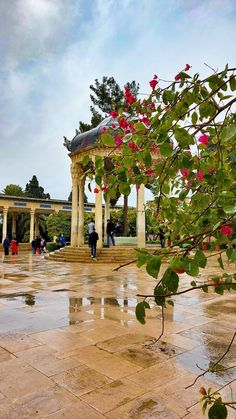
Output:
(82, 145)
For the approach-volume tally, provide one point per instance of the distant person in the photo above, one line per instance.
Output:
(117, 228)
(43, 245)
(33, 246)
(62, 240)
(162, 237)
(6, 245)
(93, 238)
(110, 233)
(91, 228)
(14, 247)
(38, 245)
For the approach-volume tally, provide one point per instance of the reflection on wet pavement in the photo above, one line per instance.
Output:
(70, 345)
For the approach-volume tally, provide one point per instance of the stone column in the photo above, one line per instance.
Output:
(141, 227)
(106, 212)
(32, 214)
(13, 228)
(36, 225)
(98, 216)
(74, 212)
(81, 213)
(4, 224)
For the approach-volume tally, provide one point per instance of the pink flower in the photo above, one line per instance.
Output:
(153, 83)
(104, 189)
(114, 114)
(185, 172)
(123, 124)
(177, 77)
(133, 146)
(154, 149)
(226, 230)
(104, 129)
(200, 176)
(117, 165)
(145, 120)
(118, 140)
(187, 67)
(203, 139)
(149, 171)
(96, 190)
(113, 125)
(137, 187)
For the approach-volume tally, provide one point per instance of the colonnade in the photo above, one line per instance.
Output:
(77, 216)
(34, 223)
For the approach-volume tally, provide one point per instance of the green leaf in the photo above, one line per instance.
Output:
(85, 160)
(232, 83)
(108, 140)
(128, 161)
(124, 188)
(98, 180)
(228, 132)
(153, 266)
(200, 258)
(191, 267)
(142, 256)
(166, 150)
(217, 411)
(170, 302)
(170, 280)
(193, 283)
(140, 312)
(194, 118)
(219, 289)
(98, 162)
(183, 137)
(220, 261)
(158, 293)
(206, 109)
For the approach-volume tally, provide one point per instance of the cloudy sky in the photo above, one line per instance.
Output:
(52, 50)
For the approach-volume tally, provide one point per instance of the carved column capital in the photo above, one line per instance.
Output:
(5, 210)
(74, 169)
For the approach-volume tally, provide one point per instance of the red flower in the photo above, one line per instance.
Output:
(226, 230)
(212, 169)
(137, 187)
(185, 172)
(118, 140)
(104, 189)
(202, 391)
(130, 99)
(155, 76)
(177, 77)
(123, 124)
(153, 83)
(187, 67)
(179, 271)
(133, 146)
(203, 139)
(114, 114)
(96, 190)
(145, 120)
(149, 171)
(200, 176)
(104, 129)
(154, 148)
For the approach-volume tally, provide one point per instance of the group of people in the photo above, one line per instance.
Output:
(10, 244)
(93, 236)
(38, 245)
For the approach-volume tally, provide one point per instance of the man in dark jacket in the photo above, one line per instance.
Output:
(6, 245)
(110, 233)
(93, 238)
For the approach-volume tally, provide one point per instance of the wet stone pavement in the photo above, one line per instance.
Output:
(71, 347)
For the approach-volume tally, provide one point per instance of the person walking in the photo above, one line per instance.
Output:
(162, 237)
(6, 245)
(38, 245)
(33, 245)
(14, 247)
(91, 228)
(93, 238)
(110, 233)
(62, 240)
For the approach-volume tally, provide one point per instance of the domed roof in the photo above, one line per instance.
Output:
(89, 138)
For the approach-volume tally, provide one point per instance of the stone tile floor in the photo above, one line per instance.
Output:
(70, 345)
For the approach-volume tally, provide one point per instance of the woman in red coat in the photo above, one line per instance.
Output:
(14, 247)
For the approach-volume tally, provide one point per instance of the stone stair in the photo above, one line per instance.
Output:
(116, 254)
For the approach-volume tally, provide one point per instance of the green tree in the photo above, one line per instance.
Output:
(181, 140)
(58, 223)
(85, 197)
(107, 96)
(13, 190)
(33, 190)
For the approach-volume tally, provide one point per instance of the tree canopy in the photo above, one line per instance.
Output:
(33, 190)
(13, 190)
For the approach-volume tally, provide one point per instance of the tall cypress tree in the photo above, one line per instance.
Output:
(33, 190)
